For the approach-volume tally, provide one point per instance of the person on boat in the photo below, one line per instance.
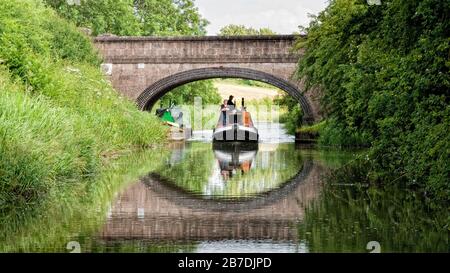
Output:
(230, 102)
(224, 108)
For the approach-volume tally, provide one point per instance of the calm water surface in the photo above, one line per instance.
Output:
(200, 197)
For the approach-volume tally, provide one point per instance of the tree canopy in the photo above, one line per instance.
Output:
(232, 30)
(134, 17)
(384, 72)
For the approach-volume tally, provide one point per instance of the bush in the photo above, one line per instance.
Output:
(384, 72)
(293, 118)
(334, 134)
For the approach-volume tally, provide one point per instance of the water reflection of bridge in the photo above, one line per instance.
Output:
(151, 210)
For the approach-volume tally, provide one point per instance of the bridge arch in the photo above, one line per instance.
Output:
(151, 94)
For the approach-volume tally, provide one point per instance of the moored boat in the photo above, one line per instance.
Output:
(173, 118)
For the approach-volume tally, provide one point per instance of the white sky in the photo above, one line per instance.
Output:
(282, 16)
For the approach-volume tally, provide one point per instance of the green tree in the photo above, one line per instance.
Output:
(293, 117)
(185, 94)
(101, 16)
(232, 30)
(134, 17)
(170, 17)
(384, 72)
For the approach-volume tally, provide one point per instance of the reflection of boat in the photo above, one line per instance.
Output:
(235, 146)
(235, 125)
(234, 157)
(231, 157)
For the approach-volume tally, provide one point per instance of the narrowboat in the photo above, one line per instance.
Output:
(235, 126)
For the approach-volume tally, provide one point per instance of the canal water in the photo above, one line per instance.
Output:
(198, 197)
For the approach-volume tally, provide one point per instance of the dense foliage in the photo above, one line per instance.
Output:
(134, 17)
(235, 30)
(293, 115)
(58, 115)
(144, 18)
(384, 72)
(187, 93)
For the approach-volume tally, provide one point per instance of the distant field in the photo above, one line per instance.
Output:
(227, 88)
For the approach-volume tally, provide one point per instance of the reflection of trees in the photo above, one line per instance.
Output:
(346, 219)
(269, 169)
(77, 212)
(194, 170)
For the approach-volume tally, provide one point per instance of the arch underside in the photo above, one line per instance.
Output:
(150, 96)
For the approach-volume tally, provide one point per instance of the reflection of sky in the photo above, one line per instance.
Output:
(215, 181)
(266, 166)
(249, 246)
(270, 133)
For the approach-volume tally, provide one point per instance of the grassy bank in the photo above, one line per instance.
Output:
(327, 133)
(58, 115)
(309, 133)
(76, 211)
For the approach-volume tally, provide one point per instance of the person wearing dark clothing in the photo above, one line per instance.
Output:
(230, 101)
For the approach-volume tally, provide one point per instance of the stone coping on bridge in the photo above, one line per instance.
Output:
(113, 38)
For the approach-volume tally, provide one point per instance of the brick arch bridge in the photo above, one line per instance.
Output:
(146, 68)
